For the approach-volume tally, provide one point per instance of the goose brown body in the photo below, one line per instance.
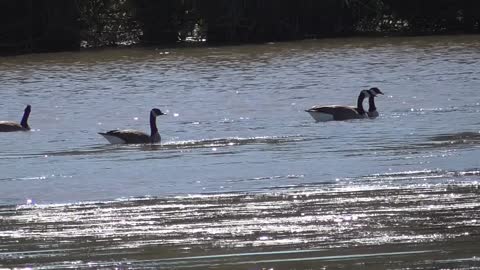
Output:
(340, 113)
(10, 126)
(131, 136)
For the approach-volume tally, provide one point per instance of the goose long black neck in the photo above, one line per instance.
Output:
(361, 97)
(371, 104)
(153, 124)
(26, 114)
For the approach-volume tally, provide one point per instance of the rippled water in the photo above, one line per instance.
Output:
(244, 178)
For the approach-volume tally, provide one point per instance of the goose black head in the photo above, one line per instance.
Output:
(365, 93)
(157, 112)
(374, 91)
(28, 109)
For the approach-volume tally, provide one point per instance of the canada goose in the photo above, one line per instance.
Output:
(372, 110)
(335, 112)
(9, 126)
(135, 136)
(338, 113)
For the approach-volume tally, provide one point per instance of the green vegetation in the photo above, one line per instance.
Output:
(50, 25)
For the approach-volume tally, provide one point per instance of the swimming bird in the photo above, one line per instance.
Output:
(336, 112)
(339, 113)
(9, 126)
(372, 110)
(135, 136)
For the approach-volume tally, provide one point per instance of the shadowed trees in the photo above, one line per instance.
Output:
(108, 23)
(160, 20)
(433, 16)
(417, 16)
(273, 20)
(38, 25)
(50, 25)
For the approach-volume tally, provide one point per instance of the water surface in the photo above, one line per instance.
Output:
(244, 178)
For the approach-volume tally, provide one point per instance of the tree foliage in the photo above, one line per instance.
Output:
(39, 25)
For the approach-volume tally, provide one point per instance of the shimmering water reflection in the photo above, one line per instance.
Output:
(393, 225)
